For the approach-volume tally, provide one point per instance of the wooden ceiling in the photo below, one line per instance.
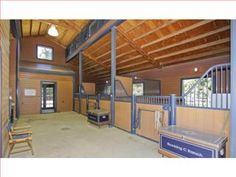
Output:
(143, 44)
(147, 44)
(68, 29)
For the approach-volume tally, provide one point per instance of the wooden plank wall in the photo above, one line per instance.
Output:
(127, 83)
(123, 115)
(89, 88)
(4, 111)
(147, 122)
(205, 120)
(31, 105)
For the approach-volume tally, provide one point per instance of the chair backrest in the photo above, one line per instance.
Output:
(9, 129)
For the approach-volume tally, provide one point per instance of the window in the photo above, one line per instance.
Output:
(138, 89)
(201, 94)
(44, 53)
(187, 84)
(107, 90)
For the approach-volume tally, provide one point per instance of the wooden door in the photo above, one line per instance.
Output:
(64, 96)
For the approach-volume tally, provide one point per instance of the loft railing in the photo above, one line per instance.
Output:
(212, 90)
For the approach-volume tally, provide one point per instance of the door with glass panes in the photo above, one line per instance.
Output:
(48, 97)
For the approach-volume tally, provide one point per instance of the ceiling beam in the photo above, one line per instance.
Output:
(62, 24)
(138, 48)
(195, 56)
(191, 39)
(183, 30)
(86, 55)
(165, 24)
(206, 45)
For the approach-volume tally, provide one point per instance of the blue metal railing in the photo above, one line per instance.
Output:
(212, 90)
(159, 100)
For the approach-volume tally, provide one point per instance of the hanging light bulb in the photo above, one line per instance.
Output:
(53, 31)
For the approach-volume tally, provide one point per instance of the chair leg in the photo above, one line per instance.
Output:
(31, 147)
(11, 148)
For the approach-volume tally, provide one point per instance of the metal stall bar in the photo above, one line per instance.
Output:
(133, 114)
(233, 91)
(172, 118)
(80, 78)
(113, 74)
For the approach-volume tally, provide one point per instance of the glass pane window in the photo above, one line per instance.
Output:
(44, 53)
(138, 89)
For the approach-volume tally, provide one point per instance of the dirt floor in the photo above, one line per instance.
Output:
(68, 134)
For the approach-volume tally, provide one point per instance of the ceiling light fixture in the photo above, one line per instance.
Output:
(53, 31)
(195, 69)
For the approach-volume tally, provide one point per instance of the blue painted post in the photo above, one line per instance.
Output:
(172, 115)
(113, 74)
(133, 114)
(233, 91)
(80, 78)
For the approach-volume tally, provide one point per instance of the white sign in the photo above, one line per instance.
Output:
(30, 92)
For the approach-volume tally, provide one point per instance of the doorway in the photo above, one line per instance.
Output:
(48, 97)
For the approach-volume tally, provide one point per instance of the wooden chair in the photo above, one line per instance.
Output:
(19, 135)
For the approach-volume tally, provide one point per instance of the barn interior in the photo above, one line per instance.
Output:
(118, 88)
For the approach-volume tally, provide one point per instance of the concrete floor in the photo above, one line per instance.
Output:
(68, 134)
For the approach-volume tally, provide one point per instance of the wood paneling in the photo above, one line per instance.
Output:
(127, 83)
(123, 115)
(105, 104)
(4, 96)
(205, 120)
(31, 105)
(89, 88)
(64, 96)
(29, 52)
(147, 121)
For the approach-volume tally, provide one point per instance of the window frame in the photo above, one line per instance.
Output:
(44, 59)
(181, 83)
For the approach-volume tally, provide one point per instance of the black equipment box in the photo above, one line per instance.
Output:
(98, 117)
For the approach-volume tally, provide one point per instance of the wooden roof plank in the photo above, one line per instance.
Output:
(183, 30)
(217, 42)
(138, 48)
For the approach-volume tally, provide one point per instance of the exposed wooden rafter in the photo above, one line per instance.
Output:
(62, 24)
(95, 60)
(138, 49)
(183, 30)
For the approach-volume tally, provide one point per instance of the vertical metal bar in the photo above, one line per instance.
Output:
(113, 74)
(216, 87)
(172, 118)
(212, 85)
(1, 101)
(80, 79)
(227, 86)
(233, 91)
(133, 114)
(221, 88)
(207, 89)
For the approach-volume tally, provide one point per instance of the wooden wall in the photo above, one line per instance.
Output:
(29, 52)
(171, 76)
(205, 120)
(89, 88)
(123, 115)
(4, 96)
(31, 105)
(127, 83)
